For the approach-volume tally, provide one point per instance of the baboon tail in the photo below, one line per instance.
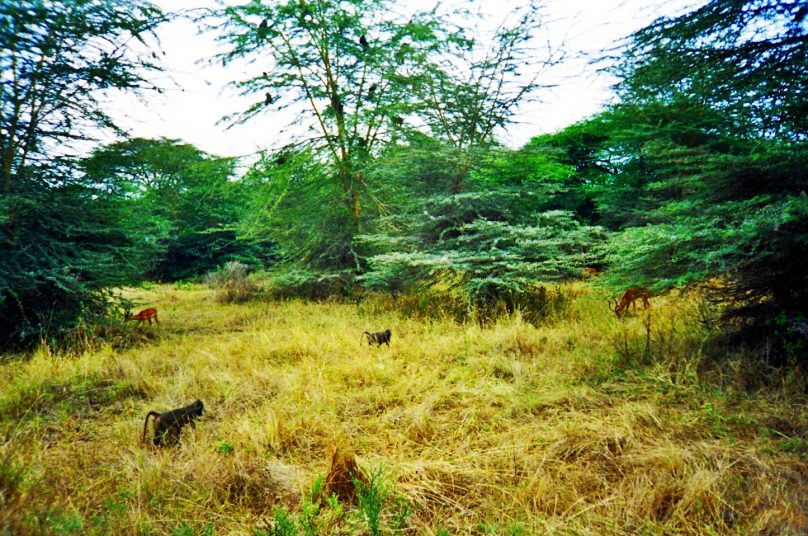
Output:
(146, 422)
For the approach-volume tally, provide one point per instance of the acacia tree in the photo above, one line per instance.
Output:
(475, 217)
(745, 58)
(347, 69)
(361, 76)
(58, 59)
(59, 247)
(490, 245)
(467, 98)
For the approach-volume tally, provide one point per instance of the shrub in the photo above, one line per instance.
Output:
(536, 304)
(311, 284)
(233, 282)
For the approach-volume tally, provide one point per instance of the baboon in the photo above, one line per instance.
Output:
(145, 314)
(378, 337)
(168, 425)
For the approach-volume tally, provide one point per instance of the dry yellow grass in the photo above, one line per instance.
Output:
(568, 428)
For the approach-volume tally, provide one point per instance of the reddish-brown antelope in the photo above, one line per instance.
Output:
(145, 314)
(589, 272)
(629, 299)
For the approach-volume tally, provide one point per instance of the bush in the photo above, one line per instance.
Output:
(233, 282)
(311, 284)
(535, 303)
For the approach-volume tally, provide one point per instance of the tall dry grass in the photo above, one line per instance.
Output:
(583, 425)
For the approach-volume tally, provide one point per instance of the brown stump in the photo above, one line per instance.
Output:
(342, 477)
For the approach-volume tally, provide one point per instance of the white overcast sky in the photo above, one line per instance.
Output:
(191, 111)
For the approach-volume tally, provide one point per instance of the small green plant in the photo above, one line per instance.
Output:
(372, 496)
(335, 514)
(403, 508)
(308, 518)
(183, 530)
(225, 448)
(517, 530)
(316, 489)
(310, 508)
(794, 445)
(186, 529)
(484, 527)
(282, 524)
(113, 509)
(306, 524)
(713, 416)
(65, 524)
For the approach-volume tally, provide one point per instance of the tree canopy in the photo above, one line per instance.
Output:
(745, 58)
(189, 198)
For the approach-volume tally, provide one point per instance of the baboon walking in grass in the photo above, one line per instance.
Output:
(379, 337)
(168, 425)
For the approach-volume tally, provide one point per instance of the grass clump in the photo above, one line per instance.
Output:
(301, 283)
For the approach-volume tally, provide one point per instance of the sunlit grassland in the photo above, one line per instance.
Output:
(570, 427)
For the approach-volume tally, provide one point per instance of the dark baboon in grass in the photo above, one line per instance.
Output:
(379, 337)
(168, 425)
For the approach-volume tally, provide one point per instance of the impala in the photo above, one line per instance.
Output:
(629, 298)
(145, 314)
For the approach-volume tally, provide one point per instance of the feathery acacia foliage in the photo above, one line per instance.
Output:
(347, 69)
(491, 244)
(744, 58)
